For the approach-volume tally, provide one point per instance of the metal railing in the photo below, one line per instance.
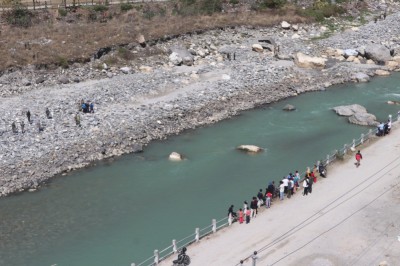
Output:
(226, 221)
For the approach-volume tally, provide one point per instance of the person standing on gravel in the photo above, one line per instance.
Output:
(358, 158)
(78, 120)
(22, 126)
(28, 115)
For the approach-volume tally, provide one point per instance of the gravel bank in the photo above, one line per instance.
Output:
(161, 99)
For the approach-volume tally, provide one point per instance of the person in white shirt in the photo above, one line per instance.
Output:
(305, 186)
(281, 190)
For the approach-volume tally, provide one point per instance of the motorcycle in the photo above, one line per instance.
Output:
(183, 259)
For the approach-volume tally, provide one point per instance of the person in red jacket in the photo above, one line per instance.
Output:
(358, 158)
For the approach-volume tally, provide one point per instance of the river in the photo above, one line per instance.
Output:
(118, 212)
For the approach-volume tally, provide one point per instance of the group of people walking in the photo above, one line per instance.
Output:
(288, 186)
(39, 125)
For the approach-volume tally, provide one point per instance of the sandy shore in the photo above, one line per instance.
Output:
(351, 218)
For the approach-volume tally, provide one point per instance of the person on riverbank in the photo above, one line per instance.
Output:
(240, 214)
(231, 212)
(48, 113)
(22, 124)
(310, 184)
(285, 181)
(28, 115)
(305, 185)
(254, 207)
(271, 188)
(358, 158)
(78, 120)
(245, 206)
(289, 189)
(268, 197)
(296, 180)
(248, 214)
(281, 190)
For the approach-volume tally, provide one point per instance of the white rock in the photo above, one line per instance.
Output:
(146, 69)
(257, 48)
(285, 25)
(381, 72)
(306, 61)
(295, 36)
(125, 70)
(174, 156)
(250, 148)
(175, 59)
(295, 27)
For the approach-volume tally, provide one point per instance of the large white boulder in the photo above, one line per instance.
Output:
(174, 156)
(306, 61)
(250, 148)
(363, 119)
(378, 53)
(349, 110)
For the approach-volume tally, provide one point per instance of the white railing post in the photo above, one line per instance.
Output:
(214, 225)
(354, 144)
(197, 232)
(133, 264)
(174, 249)
(156, 257)
(390, 118)
(327, 159)
(344, 149)
(254, 257)
(369, 133)
(362, 138)
(229, 219)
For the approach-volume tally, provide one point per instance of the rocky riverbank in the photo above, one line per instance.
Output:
(159, 97)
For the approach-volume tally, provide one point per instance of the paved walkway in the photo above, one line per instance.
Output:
(351, 218)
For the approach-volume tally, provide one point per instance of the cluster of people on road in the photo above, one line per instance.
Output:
(384, 128)
(288, 186)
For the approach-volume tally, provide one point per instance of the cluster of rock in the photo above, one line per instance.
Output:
(357, 114)
(211, 77)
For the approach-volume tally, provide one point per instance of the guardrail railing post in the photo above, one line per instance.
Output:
(327, 159)
(214, 225)
(197, 232)
(362, 138)
(174, 249)
(369, 133)
(344, 149)
(133, 264)
(156, 257)
(229, 219)
(354, 144)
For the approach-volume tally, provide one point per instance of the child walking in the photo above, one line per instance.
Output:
(240, 214)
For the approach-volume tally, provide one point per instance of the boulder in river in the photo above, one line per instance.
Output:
(250, 148)
(174, 156)
(289, 107)
(357, 114)
(349, 110)
(363, 119)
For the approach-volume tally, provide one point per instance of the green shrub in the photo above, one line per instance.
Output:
(274, 4)
(62, 12)
(124, 53)
(126, 7)
(62, 62)
(100, 8)
(18, 15)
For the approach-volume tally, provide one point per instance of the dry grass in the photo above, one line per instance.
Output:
(53, 42)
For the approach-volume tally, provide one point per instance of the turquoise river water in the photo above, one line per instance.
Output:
(118, 213)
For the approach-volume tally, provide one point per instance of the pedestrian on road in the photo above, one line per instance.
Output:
(248, 214)
(268, 199)
(358, 158)
(240, 214)
(281, 190)
(305, 186)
